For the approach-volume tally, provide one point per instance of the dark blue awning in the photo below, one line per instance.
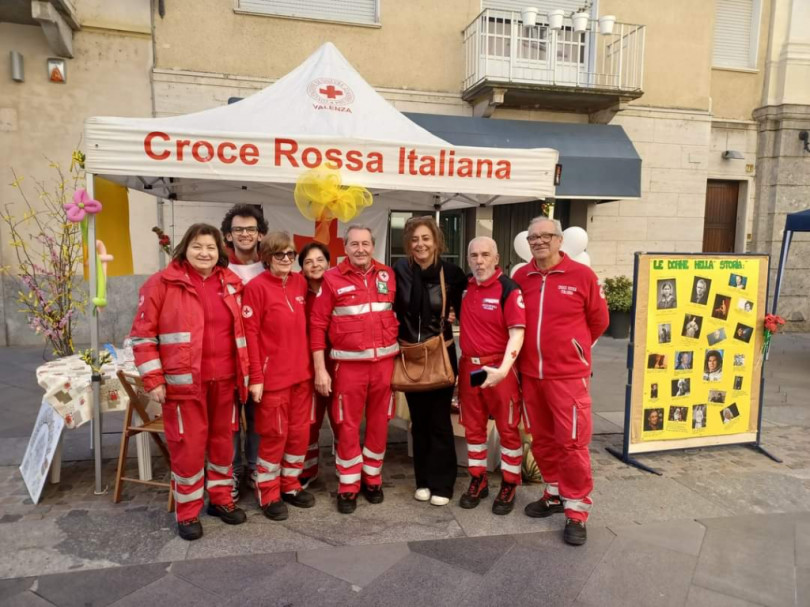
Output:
(798, 222)
(598, 160)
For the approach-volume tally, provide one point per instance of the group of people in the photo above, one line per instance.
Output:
(229, 331)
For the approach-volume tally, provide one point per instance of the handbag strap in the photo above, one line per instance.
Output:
(444, 299)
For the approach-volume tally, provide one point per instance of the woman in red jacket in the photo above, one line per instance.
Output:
(275, 319)
(190, 349)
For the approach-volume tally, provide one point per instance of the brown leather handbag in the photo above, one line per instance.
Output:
(426, 365)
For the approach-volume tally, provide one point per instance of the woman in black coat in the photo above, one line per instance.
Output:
(418, 307)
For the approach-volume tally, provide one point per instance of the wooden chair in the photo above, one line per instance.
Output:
(138, 400)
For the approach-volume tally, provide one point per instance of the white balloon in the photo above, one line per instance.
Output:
(515, 268)
(522, 246)
(583, 258)
(575, 241)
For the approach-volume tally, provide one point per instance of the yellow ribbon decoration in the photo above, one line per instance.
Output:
(320, 196)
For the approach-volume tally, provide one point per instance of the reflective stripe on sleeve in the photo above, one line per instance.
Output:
(392, 349)
(150, 365)
(139, 341)
(179, 380)
(175, 338)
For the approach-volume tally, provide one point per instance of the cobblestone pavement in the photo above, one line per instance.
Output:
(720, 526)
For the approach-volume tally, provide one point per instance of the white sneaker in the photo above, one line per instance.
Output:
(422, 494)
(438, 500)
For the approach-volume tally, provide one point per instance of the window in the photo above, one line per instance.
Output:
(362, 12)
(736, 33)
(451, 223)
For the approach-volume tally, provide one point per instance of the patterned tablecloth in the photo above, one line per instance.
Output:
(66, 382)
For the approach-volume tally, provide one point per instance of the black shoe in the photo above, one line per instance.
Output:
(299, 498)
(544, 507)
(373, 493)
(505, 501)
(346, 502)
(575, 532)
(276, 511)
(229, 513)
(477, 490)
(190, 530)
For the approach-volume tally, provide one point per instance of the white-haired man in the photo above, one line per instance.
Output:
(565, 313)
(492, 324)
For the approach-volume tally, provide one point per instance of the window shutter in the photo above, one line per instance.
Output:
(351, 11)
(733, 32)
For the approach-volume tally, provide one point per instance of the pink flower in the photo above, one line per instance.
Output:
(82, 205)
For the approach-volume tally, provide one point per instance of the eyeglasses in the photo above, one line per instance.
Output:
(281, 255)
(544, 237)
(247, 230)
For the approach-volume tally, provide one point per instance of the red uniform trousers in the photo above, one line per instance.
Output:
(360, 386)
(559, 420)
(282, 423)
(320, 406)
(476, 405)
(194, 427)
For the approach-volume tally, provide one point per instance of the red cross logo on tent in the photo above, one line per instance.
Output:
(331, 92)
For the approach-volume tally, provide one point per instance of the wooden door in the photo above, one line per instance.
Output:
(720, 221)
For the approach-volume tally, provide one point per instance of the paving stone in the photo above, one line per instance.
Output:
(9, 588)
(651, 575)
(473, 554)
(229, 576)
(292, 586)
(703, 597)
(684, 536)
(803, 586)
(358, 565)
(26, 599)
(750, 557)
(97, 588)
(169, 590)
(418, 580)
(802, 544)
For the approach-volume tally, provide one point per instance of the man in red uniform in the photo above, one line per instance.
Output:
(493, 318)
(565, 313)
(355, 310)
(243, 227)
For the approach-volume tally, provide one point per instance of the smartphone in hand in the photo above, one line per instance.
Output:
(478, 377)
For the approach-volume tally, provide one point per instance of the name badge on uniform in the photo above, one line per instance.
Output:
(382, 287)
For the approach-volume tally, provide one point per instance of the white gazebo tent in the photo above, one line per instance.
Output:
(253, 151)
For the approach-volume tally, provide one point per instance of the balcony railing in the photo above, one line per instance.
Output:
(498, 48)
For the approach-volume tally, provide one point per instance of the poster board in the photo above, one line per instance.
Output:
(41, 449)
(695, 357)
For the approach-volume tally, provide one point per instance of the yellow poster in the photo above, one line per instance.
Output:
(697, 348)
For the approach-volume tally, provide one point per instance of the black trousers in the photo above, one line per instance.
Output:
(434, 450)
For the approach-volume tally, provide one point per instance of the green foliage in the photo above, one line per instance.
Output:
(619, 293)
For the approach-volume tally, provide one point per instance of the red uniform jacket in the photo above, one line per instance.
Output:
(356, 310)
(566, 312)
(275, 318)
(167, 332)
(488, 311)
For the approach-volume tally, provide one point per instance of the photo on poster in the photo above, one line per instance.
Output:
(681, 387)
(721, 306)
(717, 396)
(746, 305)
(698, 416)
(738, 379)
(657, 361)
(716, 336)
(654, 419)
(743, 332)
(654, 391)
(678, 414)
(737, 281)
(683, 360)
(713, 365)
(739, 360)
(729, 413)
(692, 325)
(664, 333)
(667, 297)
(700, 290)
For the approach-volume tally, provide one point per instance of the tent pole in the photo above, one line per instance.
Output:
(780, 274)
(96, 377)
(437, 207)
